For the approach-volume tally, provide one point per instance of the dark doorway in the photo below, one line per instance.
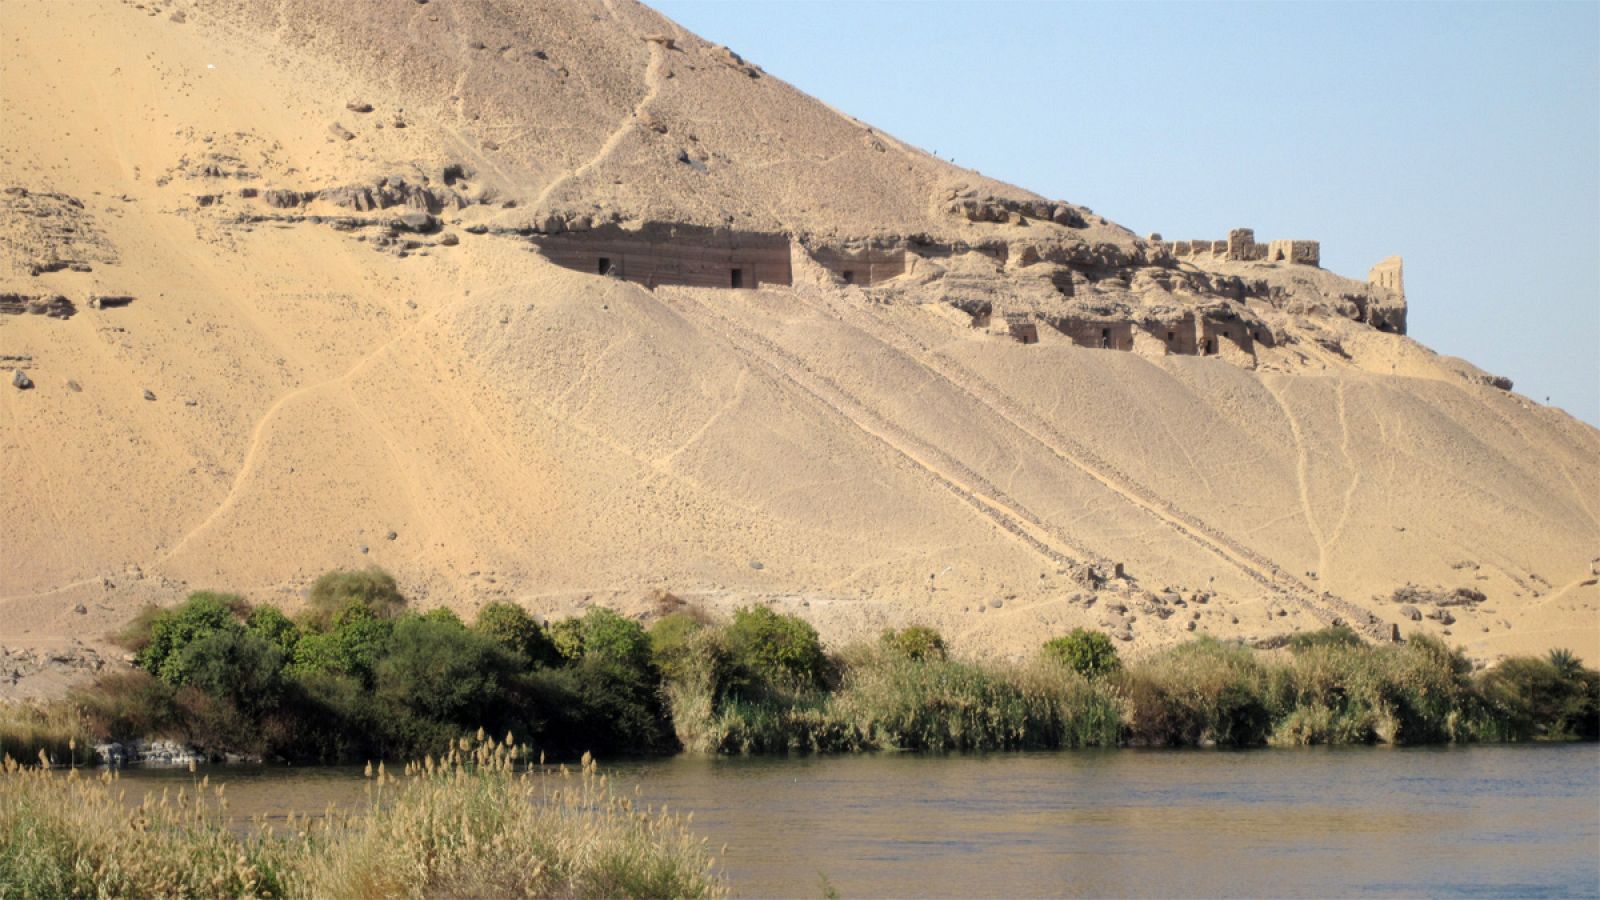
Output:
(605, 265)
(736, 278)
(1211, 346)
(849, 277)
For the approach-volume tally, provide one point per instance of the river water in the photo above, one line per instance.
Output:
(1473, 821)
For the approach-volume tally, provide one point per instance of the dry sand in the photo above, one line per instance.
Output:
(487, 425)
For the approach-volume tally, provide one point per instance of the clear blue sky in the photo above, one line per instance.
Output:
(1465, 137)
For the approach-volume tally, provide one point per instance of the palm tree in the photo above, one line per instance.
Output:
(1567, 666)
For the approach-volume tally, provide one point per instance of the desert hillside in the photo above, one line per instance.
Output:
(555, 302)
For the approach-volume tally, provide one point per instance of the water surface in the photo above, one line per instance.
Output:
(1475, 821)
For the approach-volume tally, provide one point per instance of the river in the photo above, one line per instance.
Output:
(1519, 821)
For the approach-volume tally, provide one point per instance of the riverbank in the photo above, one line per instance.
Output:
(358, 676)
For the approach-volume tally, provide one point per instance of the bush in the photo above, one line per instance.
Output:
(1089, 653)
(123, 706)
(234, 665)
(333, 592)
(670, 644)
(171, 630)
(767, 647)
(609, 636)
(353, 646)
(914, 642)
(278, 629)
(601, 705)
(1203, 692)
(1554, 698)
(1334, 636)
(511, 627)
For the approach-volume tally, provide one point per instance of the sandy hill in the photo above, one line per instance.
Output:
(559, 303)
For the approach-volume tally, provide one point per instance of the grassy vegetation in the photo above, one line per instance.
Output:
(359, 676)
(475, 823)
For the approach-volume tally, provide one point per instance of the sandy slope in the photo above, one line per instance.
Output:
(534, 433)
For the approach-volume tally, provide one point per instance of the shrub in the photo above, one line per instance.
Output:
(1527, 698)
(1089, 653)
(610, 636)
(914, 642)
(1336, 636)
(670, 639)
(1203, 692)
(278, 629)
(567, 638)
(776, 649)
(171, 630)
(122, 706)
(511, 627)
(373, 588)
(600, 704)
(354, 646)
(235, 665)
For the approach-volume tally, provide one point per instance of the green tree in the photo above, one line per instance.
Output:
(915, 642)
(512, 628)
(171, 630)
(1089, 653)
(775, 648)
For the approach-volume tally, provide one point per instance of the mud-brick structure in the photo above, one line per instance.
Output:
(1241, 246)
(1389, 274)
(663, 253)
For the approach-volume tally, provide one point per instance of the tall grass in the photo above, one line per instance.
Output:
(58, 731)
(473, 823)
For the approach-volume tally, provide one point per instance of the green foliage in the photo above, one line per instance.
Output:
(766, 646)
(1203, 692)
(914, 642)
(444, 615)
(354, 645)
(1336, 635)
(171, 630)
(609, 636)
(598, 704)
(566, 636)
(1554, 698)
(234, 665)
(670, 644)
(1089, 653)
(511, 627)
(278, 629)
(943, 705)
(437, 679)
(372, 588)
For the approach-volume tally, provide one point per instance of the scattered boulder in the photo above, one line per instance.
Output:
(20, 380)
(419, 222)
(1411, 612)
(341, 132)
(358, 106)
(149, 394)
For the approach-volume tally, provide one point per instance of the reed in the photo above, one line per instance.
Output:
(475, 822)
